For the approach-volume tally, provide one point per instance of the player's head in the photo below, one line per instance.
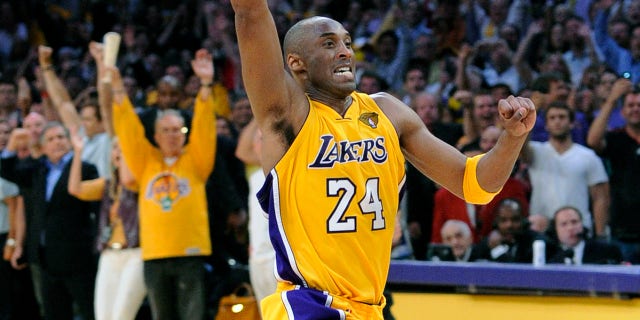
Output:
(319, 55)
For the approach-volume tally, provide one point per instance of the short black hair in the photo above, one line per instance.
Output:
(562, 106)
(372, 74)
(543, 82)
(388, 34)
(92, 102)
(501, 85)
(573, 16)
(634, 91)
(416, 64)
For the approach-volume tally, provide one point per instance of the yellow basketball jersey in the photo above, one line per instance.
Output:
(332, 201)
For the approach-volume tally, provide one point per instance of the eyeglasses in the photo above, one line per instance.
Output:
(170, 131)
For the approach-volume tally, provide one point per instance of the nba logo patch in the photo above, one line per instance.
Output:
(370, 119)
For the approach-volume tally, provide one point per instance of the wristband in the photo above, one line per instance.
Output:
(48, 68)
(471, 189)
(11, 243)
(207, 84)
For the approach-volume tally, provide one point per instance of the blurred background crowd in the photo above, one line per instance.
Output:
(575, 186)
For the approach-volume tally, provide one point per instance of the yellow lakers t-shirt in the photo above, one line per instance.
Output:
(172, 200)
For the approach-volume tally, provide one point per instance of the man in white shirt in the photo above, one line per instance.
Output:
(565, 173)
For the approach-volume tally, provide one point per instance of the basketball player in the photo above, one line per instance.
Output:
(334, 161)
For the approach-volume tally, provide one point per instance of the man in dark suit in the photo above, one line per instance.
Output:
(60, 229)
(457, 244)
(574, 248)
(511, 240)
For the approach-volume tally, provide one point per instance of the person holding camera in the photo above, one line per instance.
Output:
(621, 148)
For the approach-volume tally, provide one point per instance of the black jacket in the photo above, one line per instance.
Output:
(595, 252)
(521, 251)
(60, 232)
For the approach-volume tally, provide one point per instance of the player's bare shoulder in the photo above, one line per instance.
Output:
(387, 103)
(398, 113)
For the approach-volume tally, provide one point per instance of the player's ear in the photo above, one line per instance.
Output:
(295, 63)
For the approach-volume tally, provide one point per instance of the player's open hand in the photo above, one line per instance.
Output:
(518, 115)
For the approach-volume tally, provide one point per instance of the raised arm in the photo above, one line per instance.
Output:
(20, 231)
(595, 137)
(203, 135)
(24, 96)
(517, 117)
(446, 165)
(18, 164)
(170, 28)
(57, 92)
(520, 57)
(462, 76)
(90, 190)
(262, 64)
(105, 98)
(587, 34)
(128, 128)
(470, 126)
(272, 91)
(127, 179)
(245, 150)
(434, 158)
(613, 52)
(75, 171)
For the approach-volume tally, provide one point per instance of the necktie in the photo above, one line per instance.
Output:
(568, 256)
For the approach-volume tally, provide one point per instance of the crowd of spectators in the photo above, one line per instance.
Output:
(451, 61)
